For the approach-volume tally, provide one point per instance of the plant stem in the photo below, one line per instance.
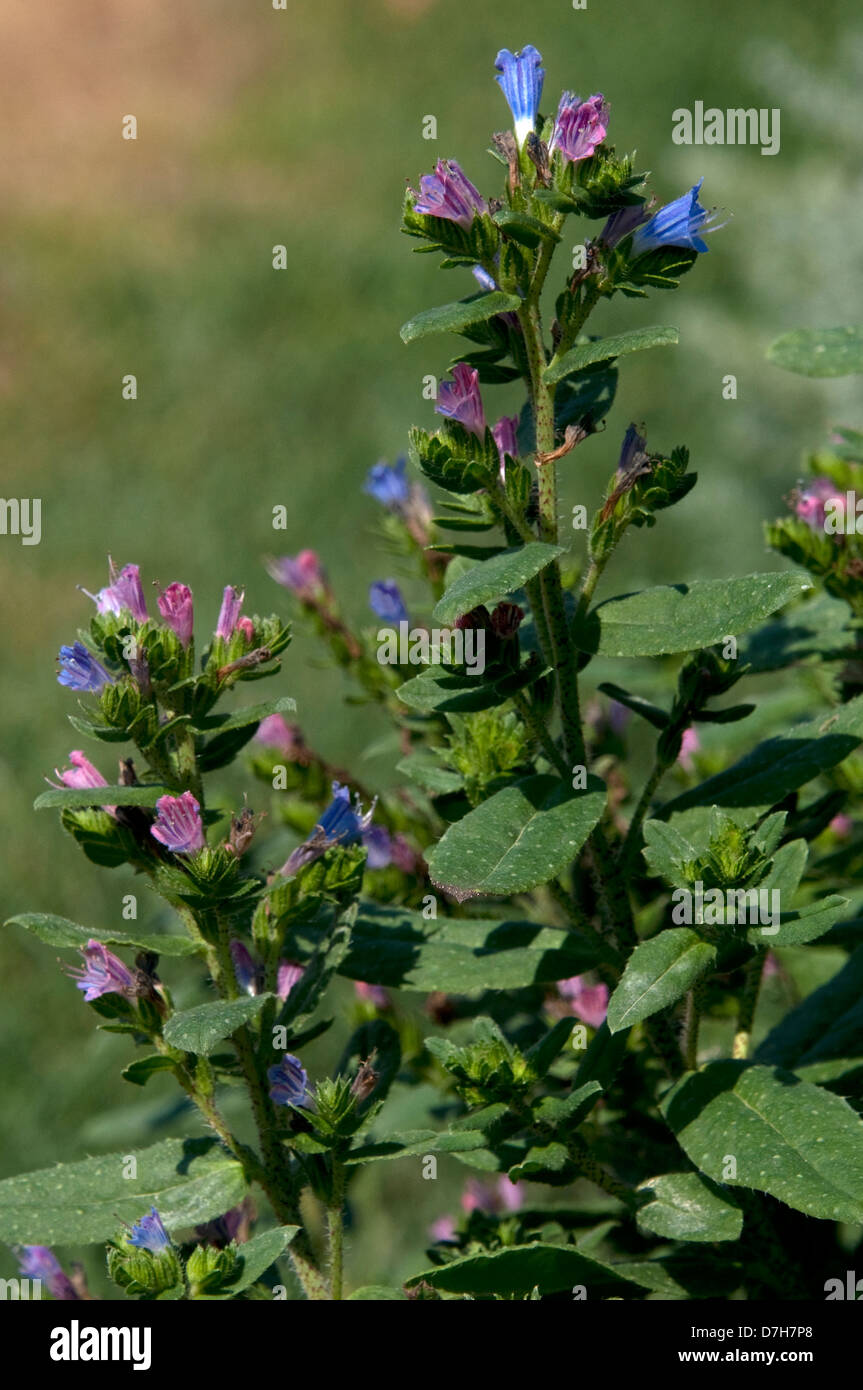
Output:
(691, 1019)
(540, 733)
(630, 845)
(336, 1227)
(580, 1154)
(748, 1005)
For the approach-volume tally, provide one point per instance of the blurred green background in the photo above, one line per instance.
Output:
(258, 388)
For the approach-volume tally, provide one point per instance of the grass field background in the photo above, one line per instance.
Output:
(257, 388)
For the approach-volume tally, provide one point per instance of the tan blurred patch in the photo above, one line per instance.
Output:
(70, 72)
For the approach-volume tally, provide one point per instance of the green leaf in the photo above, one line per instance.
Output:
(140, 1071)
(400, 949)
(603, 349)
(820, 351)
(200, 1029)
(59, 931)
(452, 318)
(828, 1024)
(685, 1206)
(796, 927)
(100, 796)
(257, 1255)
(522, 836)
(684, 617)
(242, 718)
(780, 765)
(518, 1269)
(414, 1142)
(187, 1180)
(818, 628)
(377, 1293)
(524, 228)
(429, 772)
(798, 1142)
(657, 973)
(494, 578)
(666, 851)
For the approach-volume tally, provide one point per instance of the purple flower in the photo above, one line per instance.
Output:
(622, 223)
(340, 824)
(587, 1002)
(506, 619)
(379, 850)
(289, 974)
(388, 485)
(386, 602)
(245, 967)
(811, 504)
(677, 224)
(460, 399)
(102, 973)
(449, 193)
(521, 77)
(80, 670)
(229, 615)
(38, 1262)
(579, 126)
(175, 606)
(303, 574)
(506, 438)
(289, 1084)
(178, 824)
(633, 451)
(150, 1234)
(123, 594)
(82, 774)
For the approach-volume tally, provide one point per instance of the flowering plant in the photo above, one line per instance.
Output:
(608, 970)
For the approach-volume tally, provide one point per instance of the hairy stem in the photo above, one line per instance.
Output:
(336, 1228)
(748, 1005)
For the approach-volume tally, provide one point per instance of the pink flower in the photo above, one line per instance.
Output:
(229, 616)
(178, 824)
(247, 628)
(587, 1002)
(689, 744)
(303, 574)
(504, 1196)
(443, 1229)
(842, 826)
(289, 974)
(811, 504)
(176, 607)
(276, 732)
(579, 127)
(460, 399)
(82, 774)
(372, 994)
(123, 594)
(506, 438)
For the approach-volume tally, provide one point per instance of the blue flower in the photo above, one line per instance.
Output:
(378, 843)
(521, 79)
(38, 1262)
(289, 1083)
(483, 279)
(149, 1233)
(81, 671)
(340, 824)
(677, 224)
(386, 602)
(388, 485)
